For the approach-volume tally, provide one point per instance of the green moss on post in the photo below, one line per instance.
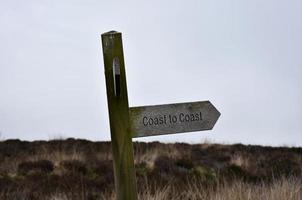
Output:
(122, 147)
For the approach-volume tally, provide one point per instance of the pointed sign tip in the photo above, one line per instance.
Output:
(172, 118)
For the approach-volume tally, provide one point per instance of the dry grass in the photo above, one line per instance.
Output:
(82, 170)
(283, 189)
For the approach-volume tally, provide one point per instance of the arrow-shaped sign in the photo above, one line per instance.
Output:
(172, 118)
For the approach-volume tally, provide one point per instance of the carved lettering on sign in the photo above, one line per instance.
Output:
(172, 118)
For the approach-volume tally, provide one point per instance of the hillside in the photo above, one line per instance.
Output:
(79, 169)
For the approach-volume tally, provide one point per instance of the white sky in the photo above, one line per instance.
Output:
(243, 56)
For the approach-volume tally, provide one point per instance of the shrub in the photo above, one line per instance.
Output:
(234, 172)
(204, 174)
(142, 169)
(184, 163)
(281, 166)
(74, 166)
(164, 164)
(104, 169)
(42, 166)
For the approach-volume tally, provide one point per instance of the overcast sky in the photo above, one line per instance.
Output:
(243, 56)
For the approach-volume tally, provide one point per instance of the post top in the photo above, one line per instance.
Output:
(111, 33)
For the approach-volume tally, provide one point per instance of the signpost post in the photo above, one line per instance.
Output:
(122, 148)
(127, 123)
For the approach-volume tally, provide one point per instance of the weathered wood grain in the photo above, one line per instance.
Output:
(122, 147)
(172, 118)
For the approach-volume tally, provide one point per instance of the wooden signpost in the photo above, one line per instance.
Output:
(127, 123)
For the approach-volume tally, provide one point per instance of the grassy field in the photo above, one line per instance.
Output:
(82, 170)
